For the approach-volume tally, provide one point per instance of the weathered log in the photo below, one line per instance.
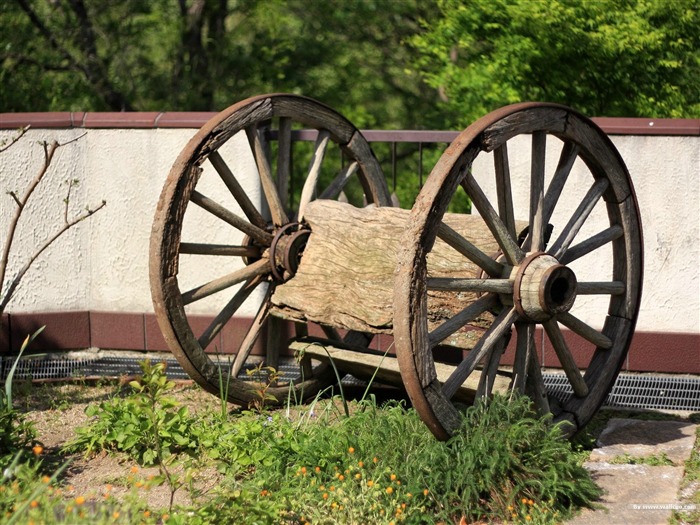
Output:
(346, 275)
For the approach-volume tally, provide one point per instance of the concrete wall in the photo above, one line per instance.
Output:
(101, 265)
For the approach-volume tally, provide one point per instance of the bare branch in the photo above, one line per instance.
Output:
(7, 145)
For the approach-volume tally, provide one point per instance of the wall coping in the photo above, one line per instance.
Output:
(196, 119)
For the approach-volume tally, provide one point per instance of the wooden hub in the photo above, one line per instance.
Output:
(286, 250)
(543, 287)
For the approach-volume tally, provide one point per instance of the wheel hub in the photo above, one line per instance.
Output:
(286, 250)
(543, 287)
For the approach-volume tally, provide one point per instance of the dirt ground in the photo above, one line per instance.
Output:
(56, 410)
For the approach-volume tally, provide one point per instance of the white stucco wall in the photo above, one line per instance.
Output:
(102, 264)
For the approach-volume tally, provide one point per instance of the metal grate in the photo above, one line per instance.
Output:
(630, 390)
(639, 391)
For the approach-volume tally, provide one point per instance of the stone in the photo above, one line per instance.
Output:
(640, 438)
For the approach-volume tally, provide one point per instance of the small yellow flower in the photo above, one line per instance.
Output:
(389, 490)
(46, 479)
(530, 502)
(375, 460)
(351, 450)
(325, 495)
(528, 518)
(37, 449)
(341, 477)
(165, 517)
(115, 514)
(318, 469)
(426, 492)
(360, 464)
(332, 489)
(524, 500)
(79, 500)
(138, 484)
(358, 476)
(393, 477)
(370, 483)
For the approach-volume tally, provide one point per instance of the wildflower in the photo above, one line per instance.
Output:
(37, 449)
(115, 514)
(34, 504)
(146, 513)
(360, 464)
(325, 495)
(393, 477)
(530, 502)
(79, 500)
(332, 489)
(264, 493)
(134, 469)
(303, 470)
(46, 479)
(524, 500)
(138, 484)
(426, 492)
(528, 518)
(358, 476)
(389, 490)
(341, 477)
(351, 450)
(510, 508)
(318, 469)
(375, 460)
(409, 495)
(370, 483)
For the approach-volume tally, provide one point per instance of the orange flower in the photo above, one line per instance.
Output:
(351, 450)
(524, 500)
(358, 476)
(375, 460)
(115, 514)
(318, 469)
(360, 464)
(79, 500)
(341, 477)
(389, 490)
(370, 483)
(34, 504)
(325, 495)
(426, 492)
(134, 469)
(393, 477)
(303, 470)
(37, 449)
(45, 479)
(146, 513)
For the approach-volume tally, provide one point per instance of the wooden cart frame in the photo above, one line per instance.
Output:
(439, 282)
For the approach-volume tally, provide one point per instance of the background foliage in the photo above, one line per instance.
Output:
(384, 63)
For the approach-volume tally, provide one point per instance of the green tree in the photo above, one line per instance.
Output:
(630, 58)
(193, 55)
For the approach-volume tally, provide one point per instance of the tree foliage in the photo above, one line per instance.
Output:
(630, 58)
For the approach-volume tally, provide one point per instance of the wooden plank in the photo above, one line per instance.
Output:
(364, 364)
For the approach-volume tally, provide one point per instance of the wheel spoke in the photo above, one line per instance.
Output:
(524, 350)
(260, 267)
(505, 240)
(252, 335)
(309, 189)
(584, 330)
(535, 384)
(220, 249)
(470, 251)
(456, 322)
(276, 337)
(565, 358)
(337, 185)
(600, 288)
(493, 360)
(449, 284)
(279, 216)
(579, 217)
(592, 243)
(498, 329)
(284, 159)
(227, 312)
(231, 218)
(539, 143)
(503, 187)
(236, 190)
(568, 156)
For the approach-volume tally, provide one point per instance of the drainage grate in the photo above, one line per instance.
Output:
(639, 391)
(629, 391)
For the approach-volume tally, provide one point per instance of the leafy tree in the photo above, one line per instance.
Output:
(606, 58)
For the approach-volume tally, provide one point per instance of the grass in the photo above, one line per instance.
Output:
(310, 464)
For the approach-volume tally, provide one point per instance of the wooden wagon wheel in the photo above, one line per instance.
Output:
(197, 267)
(534, 281)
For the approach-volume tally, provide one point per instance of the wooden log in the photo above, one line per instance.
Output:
(375, 366)
(346, 275)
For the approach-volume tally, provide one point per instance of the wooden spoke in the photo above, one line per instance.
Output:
(565, 358)
(537, 223)
(449, 284)
(456, 322)
(279, 216)
(252, 335)
(498, 329)
(524, 352)
(471, 252)
(309, 189)
(220, 249)
(493, 360)
(600, 288)
(584, 330)
(591, 244)
(535, 385)
(336, 186)
(227, 312)
(236, 190)
(276, 338)
(503, 188)
(579, 218)
(505, 240)
(260, 267)
(284, 159)
(231, 218)
(568, 156)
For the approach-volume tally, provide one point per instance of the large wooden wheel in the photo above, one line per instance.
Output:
(523, 162)
(222, 242)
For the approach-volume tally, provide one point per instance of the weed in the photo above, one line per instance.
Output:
(654, 460)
